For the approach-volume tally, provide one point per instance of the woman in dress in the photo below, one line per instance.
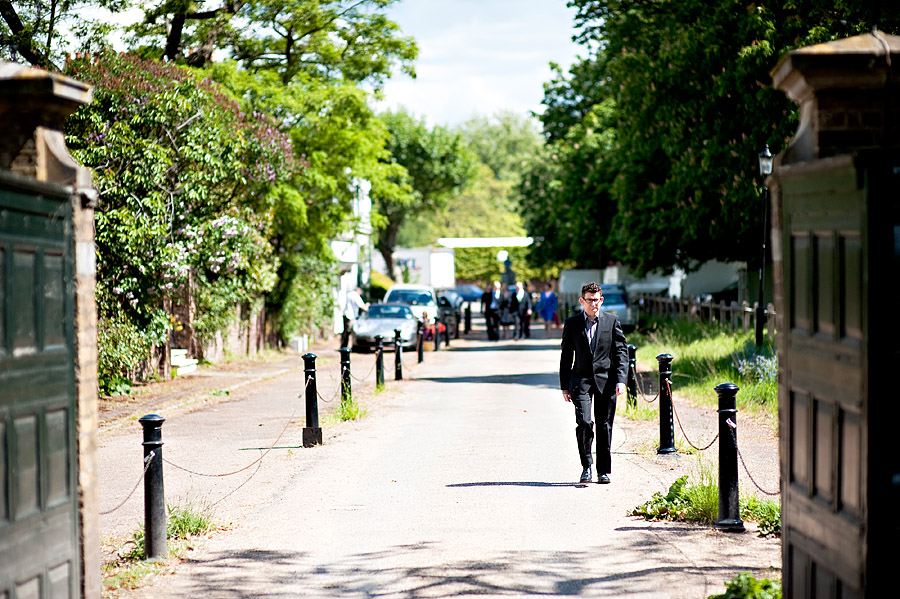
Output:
(548, 308)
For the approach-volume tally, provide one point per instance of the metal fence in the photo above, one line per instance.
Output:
(734, 315)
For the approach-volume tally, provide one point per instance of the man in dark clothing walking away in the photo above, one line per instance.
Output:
(524, 308)
(593, 369)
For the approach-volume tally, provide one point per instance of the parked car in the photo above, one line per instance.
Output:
(470, 293)
(420, 298)
(450, 306)
(615, 301)
(383, 319)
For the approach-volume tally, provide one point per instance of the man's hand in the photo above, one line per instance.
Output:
(620, 389)
(566, 396)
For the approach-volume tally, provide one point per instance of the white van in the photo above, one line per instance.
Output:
(419, 298)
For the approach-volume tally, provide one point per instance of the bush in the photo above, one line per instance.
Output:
(121, 348)
(744, 586)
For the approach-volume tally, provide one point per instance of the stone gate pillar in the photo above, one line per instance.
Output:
(836, 249)
(33, 106)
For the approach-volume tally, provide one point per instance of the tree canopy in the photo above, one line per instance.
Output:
(437, 166)
(654, 137)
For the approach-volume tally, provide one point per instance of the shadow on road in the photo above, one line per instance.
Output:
(405, 571)
(506, 346)
(518, 484)
(532, 379)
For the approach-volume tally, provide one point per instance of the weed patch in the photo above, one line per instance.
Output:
(129, 570)
(744, 586)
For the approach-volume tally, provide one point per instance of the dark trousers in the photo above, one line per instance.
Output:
(524, 328)
(345, 334)
(584, 394)
(492, 319)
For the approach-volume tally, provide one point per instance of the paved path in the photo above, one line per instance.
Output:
(459, 483)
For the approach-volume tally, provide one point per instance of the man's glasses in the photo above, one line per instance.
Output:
(593, 300)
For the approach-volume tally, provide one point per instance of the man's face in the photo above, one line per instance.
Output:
(591, 303)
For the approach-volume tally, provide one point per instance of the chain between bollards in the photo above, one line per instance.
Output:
(729, 498)
(154, 493)
(666, 419)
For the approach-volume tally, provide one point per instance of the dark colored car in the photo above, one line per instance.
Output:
(450, 306)
(382, 319)
(470, 293)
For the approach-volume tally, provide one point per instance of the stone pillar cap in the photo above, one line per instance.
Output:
(22, 83)
(863, 61)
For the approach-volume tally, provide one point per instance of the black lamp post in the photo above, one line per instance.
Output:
(765, 169)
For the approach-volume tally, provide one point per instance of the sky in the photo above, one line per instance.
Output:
(478, 57)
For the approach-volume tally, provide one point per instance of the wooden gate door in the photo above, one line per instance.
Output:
(39, 553)
(840, 240)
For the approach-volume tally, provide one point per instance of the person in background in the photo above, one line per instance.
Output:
(490, 307)
(353, 305)
(509, 310)
(523, 299)
(547, 308)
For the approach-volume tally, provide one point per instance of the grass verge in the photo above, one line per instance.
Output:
(707, 355)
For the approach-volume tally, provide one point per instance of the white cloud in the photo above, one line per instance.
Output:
(479, 57)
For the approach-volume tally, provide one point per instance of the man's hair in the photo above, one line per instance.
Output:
(591, 287)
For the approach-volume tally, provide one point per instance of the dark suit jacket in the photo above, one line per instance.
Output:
(608, 360)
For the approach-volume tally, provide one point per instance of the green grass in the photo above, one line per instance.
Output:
(706, 355)
(351, 410)
(130, 570)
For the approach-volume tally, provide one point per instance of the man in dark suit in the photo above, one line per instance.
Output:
(524, 308)
(593, 368)
(490, 307)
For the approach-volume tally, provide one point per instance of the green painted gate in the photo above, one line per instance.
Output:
(840, 234)
(39, 523)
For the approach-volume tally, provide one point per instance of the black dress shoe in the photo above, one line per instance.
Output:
(586, 475)
(603, 479)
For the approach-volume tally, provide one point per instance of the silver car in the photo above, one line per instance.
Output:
(615, 301)
(382, 319)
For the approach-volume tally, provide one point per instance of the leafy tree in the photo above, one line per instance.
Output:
(325, 39)
(36, 30)
(187, 182)
(316, 206)
(505, 142)
(484, 208)
(688, 105)
(438, 165)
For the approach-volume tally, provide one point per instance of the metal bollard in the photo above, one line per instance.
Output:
(632, 376)
(447, 333)
(420, 341)
(398, 356)
(437, 334)
(729, 499)
(345, 374)
(379, 362)
(468, 318)
(154, 494)
(312, 433)
(666, 415)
